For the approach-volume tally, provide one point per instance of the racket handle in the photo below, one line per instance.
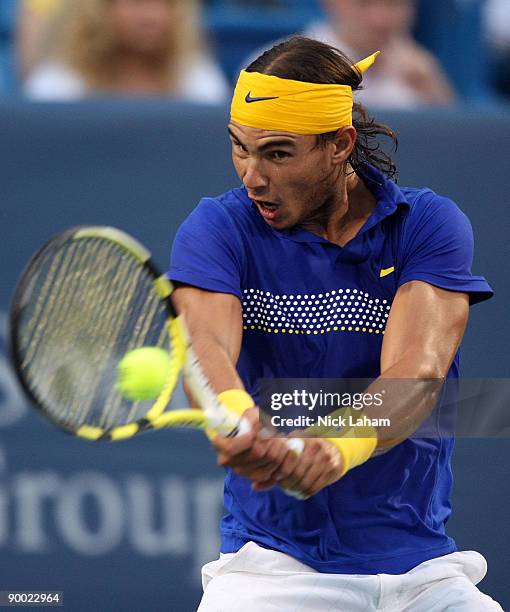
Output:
(237, 401)
(296, 445)
(243, 426)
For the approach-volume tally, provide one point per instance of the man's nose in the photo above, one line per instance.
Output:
(253, 177)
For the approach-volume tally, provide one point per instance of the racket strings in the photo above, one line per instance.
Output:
(69, 317)
(110, 330)
(106, 317)
(143, 320)
(35, 329)
(161, 342)
(68, 333)
(52, 324)
(91, 303)
(55, 300)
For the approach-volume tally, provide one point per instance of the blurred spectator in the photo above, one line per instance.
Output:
(405, 75)
(126, 48)
(497, 35)
(33, 19)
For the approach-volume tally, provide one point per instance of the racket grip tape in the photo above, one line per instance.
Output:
(237, 401)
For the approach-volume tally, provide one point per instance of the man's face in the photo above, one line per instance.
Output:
(374, 22)
(288, 176)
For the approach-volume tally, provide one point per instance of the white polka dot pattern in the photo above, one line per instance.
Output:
(339, 310)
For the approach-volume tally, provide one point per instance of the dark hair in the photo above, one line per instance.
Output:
(311, 61)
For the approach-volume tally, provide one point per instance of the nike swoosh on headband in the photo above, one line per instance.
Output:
(249, 99)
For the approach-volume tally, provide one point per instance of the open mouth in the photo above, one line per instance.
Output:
(267, 209)
(267, 205)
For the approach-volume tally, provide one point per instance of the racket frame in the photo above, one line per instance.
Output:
(211, 414)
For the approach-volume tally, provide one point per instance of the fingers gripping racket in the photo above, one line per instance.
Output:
(86, 299)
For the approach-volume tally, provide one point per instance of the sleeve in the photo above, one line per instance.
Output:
(207, 251)
(437, 247)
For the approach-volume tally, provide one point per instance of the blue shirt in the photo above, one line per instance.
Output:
(313, 309)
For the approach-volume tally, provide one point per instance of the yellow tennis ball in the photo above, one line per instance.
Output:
(142, 373)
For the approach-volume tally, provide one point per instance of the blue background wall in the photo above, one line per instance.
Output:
(127, 526)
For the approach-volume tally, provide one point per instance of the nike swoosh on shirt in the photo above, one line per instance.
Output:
(249, 99)
(386, 271)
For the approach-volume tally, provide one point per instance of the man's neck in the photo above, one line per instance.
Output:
(343, 219)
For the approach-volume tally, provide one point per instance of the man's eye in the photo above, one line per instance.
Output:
(239, 146)
(279, 155)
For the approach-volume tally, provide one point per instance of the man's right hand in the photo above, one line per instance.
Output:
(252, 456)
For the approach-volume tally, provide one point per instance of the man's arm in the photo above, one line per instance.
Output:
(423, 333)
(422, 336)
(214, 321)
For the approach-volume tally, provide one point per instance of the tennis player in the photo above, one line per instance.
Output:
(320, 266)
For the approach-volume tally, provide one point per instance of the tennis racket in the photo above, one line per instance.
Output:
(86, 298)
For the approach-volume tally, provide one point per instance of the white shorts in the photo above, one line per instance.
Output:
(259, 580)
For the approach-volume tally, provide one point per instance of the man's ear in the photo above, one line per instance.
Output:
(343, 144)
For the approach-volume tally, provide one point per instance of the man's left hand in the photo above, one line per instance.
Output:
(318, 466)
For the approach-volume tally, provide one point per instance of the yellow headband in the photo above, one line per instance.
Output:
(270, 103)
